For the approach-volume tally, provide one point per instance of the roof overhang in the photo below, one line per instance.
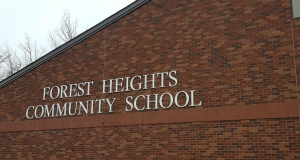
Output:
(123, 12)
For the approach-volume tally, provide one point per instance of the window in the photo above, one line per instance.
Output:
(295, 5)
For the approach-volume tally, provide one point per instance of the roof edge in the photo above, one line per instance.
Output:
(111, 19)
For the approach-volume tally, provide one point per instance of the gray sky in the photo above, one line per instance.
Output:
(37, 17)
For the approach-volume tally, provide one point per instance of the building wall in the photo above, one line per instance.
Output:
(296, 42)
(240, 57)
(240, 139)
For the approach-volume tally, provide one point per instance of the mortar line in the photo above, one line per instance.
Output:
(295, 64)
(104, 49)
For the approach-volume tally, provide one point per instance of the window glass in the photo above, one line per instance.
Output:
(296, 8)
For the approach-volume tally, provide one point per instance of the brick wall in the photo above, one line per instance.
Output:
(237, 54)
(296, 42)
(241, 139)
(230, 55)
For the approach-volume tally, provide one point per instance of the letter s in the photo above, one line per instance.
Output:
(173, 78)
(128, 102)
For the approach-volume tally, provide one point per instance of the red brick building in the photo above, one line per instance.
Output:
(163, 79)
